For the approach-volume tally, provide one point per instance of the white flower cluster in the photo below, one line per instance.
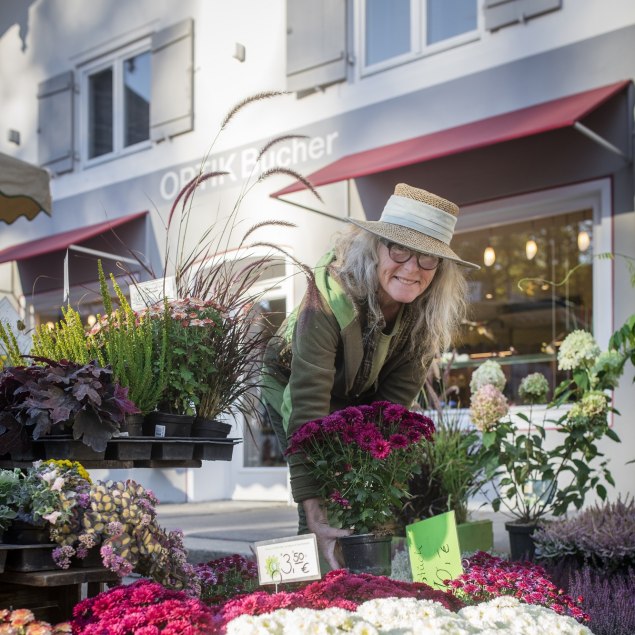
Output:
(489, 372)
(578, 349)
(407, 616)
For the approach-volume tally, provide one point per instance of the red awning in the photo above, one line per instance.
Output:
(59, 242)
(551, 115)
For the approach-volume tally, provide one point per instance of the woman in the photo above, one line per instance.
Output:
(382, 304)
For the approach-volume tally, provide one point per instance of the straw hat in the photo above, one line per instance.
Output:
(419, 220)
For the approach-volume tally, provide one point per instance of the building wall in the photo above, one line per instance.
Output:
(583, 45)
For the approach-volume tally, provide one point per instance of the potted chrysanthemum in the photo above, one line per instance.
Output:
(363, 458)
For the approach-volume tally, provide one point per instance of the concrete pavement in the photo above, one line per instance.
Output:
(219, 528)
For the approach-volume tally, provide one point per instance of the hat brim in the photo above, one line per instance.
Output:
(412, 239)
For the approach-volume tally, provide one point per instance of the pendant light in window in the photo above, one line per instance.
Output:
(489, 255)
(584, 240)
(531, 248)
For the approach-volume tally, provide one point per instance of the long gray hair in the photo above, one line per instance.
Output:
(439, 310)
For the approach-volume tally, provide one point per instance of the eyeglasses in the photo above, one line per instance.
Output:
(401, 255)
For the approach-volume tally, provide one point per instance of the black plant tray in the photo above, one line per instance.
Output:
(173, 448)
(30, 557)
(214, 449)
(65, 447)
(130, 448)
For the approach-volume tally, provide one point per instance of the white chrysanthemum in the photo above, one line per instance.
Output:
(506, 614)
(489, 372)
(256, 625)
(391, 612)
(578, 349)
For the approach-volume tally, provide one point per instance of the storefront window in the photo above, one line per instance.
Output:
(517, 315)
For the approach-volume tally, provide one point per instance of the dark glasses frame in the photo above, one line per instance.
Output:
(401, 255)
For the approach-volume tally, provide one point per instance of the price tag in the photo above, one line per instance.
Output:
(434, 550)
(288, 559)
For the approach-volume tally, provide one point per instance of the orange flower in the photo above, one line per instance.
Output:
(21, 617)
(39, 628)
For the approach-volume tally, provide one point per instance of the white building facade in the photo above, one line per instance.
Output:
(521, 111)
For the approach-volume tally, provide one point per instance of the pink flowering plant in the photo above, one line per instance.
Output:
(487, 577)
(143, 608)
(363, 457)
(194, 332)
(226, 577)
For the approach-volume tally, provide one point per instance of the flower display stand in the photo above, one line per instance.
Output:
(52, 595)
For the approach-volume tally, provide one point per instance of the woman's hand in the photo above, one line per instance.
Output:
(326, 536)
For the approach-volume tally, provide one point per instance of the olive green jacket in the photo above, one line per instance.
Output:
(312, 362)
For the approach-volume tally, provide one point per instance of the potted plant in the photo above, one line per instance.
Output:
(137, 350)
(452, 470)
(531, 477)
(9, 493)
(119, 519)
(362, 457)
(50, 395)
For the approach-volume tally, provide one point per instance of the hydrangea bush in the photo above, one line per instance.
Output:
(488, 406)
(534, 388)
(489, 372)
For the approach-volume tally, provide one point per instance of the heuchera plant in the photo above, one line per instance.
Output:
(83, 398)
(363, 457)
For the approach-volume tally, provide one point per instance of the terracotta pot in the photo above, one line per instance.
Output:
(367, 553)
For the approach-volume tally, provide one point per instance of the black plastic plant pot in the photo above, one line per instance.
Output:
(31, 558)
(22, 533)
(71, 449)
(521, 542)
(132, 426)
(165, 424)
(129, 449)
(210, 429)
(367, 553)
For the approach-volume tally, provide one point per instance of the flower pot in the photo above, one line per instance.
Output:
(129, 449)
(92, 559)
(132, 426)
(521, 543)
(367, 553)
(477, 535)
(22, 533)
(164, 424)
(209, 428)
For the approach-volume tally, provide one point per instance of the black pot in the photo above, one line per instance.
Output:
(208, 428)
(367, 553)
(132, 426)
(22, 533)
(164, 424)
(521, 543)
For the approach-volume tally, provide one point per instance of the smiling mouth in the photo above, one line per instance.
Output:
(405, 281)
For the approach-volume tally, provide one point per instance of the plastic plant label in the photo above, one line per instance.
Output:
(159, 431)
(435, 555)
(288, 560)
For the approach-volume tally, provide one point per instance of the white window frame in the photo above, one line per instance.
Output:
(115, 61)
(418, 29)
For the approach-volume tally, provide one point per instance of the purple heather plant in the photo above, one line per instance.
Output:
(602, 536)
(363, 458)
(607, 599)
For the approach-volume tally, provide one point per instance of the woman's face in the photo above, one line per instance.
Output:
(402, 283)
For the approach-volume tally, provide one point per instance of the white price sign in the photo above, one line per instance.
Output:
(147, 293)
(288, 559)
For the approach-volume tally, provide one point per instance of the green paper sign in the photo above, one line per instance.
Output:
(435, 555)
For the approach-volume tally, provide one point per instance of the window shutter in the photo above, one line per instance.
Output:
(55, 123)
(500, 13)
(171, 104)
(316, 43)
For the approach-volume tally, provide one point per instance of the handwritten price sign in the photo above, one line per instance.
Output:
(288, 559)
(433, 545)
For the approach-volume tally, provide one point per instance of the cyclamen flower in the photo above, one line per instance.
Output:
(579, 349)
(488, 406)
(489, 372)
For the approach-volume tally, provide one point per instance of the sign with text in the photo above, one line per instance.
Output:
(145, 294)
(288, 559)
(433, 545)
